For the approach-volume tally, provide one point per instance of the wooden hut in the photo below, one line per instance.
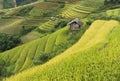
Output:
(75, 24)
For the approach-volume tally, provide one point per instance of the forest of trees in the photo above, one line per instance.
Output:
(8, 41)
(22, 2)
(14, 3)
(111, 2)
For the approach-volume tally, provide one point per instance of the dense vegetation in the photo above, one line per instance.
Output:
(8, 3)
(43, 49)
(5, 68)
(22, 2)
(8, 41)
(12, 3)
(92, 58)
(114, 2)
(49, 51)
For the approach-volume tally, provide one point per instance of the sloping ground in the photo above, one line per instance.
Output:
(15, 24)
(23, 56)
(75, 10)
(30, 36)
(50, 25)
(10, 26)
(94, 58)
(8, 4)
(46, 27)
(80, 8)
(68, 1)
(43, 7)
(11, 3)
(1, 5)
(113, 13)
(37, 8)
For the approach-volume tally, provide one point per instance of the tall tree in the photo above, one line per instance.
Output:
(114, 2)
(15, 3)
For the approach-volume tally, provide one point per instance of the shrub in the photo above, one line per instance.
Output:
(5, 68)
(42, 58)
(61, 24)
(24, 30)
(72, 38)
(24, 11)
(89, 22)
(8, 41)
(107, 2)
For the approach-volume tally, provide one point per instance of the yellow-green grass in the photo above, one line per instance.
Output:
(14, 25)
(42, 8)
(34, 21)
(114, 12)
(13, 11)
(38, 8)
(80, 8)
(10, 26)
(92, 3)
(75, 10)
(95, 57)
(49, 25)
(30, 36)
(24, 55)
(60, 34)
(68, 1)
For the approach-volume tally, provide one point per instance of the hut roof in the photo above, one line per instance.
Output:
(76, 20)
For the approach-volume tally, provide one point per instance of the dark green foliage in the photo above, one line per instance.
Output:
(11, 4)
(8, 3)
(44, 57)
(89, 21)
(2, 65)
(50, 13)
(5, 68)
(5, 17)
(72, 39)
(8, 41)
(25, 30)
(107, 2)
(25, 11)
(62, 4)
(101, 16)
(22, 2)
(2, 12)
(61, 24)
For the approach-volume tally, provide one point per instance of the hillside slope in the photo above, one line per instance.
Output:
(29, 52)
(13, 3)
(1, 5)
(80, 8)
(95, 57)
(10, 26)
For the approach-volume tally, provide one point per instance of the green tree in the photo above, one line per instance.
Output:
(8, 41)
(114, 2)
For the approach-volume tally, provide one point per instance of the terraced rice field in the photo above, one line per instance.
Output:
(94, 58)
(13, 11)
(30, 36)
(114, 12)
(50, 25)
(10, 25)
(43, 7)
(23, 56)
(76, 10)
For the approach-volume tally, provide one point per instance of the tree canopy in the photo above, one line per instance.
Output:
(112, 2)
(8, 41)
